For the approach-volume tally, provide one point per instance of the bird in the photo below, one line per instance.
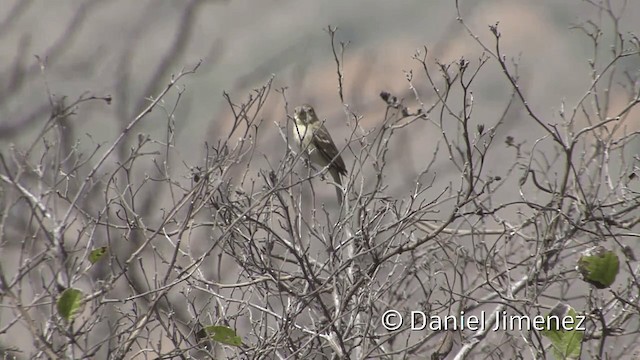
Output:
(316, 143)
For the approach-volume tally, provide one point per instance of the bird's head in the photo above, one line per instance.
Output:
(304, 114)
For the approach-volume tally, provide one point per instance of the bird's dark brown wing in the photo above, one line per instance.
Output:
(326, 147)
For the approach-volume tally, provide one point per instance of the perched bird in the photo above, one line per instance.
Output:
(314, 139)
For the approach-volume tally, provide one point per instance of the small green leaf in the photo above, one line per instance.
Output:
(69, 303)
(565, 339)
(224, 335)
(599, 267)
(96, 254)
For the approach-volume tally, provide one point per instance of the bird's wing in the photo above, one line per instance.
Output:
(326, 147)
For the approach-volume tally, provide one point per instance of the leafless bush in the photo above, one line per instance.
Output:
(237, 256)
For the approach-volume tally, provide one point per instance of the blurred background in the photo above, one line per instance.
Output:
(129, 50)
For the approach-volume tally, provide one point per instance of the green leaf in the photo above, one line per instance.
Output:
(566, 341)
(599, 266)
(96, 254)
(69, 303)
(223, 335)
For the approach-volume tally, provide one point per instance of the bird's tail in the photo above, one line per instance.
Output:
(336, 178)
